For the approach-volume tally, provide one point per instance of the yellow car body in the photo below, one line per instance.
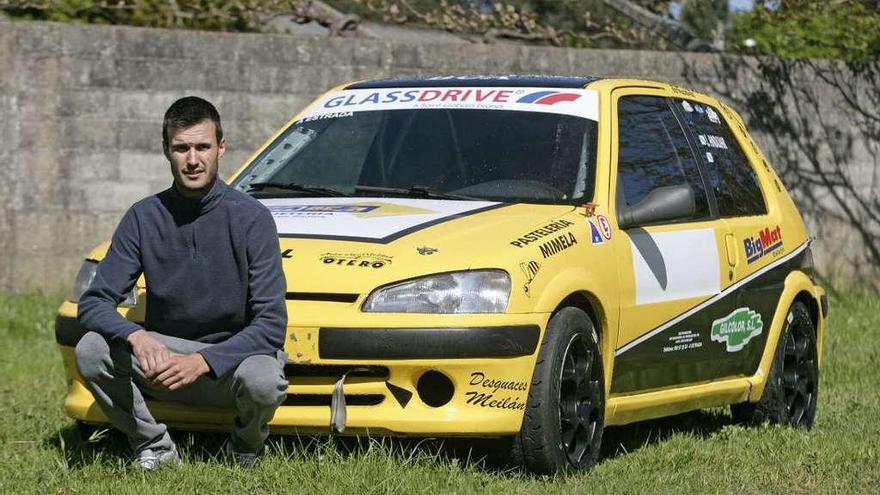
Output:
(472, 375)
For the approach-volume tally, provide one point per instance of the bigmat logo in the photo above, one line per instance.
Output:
(547, 97)
(767, 241)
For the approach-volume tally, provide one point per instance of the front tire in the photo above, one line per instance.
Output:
(565, 412)
(791, 394)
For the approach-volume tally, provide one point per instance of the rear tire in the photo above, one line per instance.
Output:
(565, 411)
(791, 394)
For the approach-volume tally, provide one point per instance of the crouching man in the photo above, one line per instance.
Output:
(215, 313)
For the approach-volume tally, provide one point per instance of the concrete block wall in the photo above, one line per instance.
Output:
(81, 109)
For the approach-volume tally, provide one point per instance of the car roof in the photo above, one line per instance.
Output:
(543, 81)
(523, 80)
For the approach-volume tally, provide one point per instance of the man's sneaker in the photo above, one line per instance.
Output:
(153, 459)
(244, 460)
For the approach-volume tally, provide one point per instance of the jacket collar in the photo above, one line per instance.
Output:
(202, 205)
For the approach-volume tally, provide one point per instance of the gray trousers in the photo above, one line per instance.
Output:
(114, 376)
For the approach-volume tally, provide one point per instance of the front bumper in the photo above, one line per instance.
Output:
(469, 380)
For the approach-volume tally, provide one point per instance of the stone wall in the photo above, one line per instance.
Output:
(81, 110)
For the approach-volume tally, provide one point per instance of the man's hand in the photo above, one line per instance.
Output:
(180, 370)
(150, 352)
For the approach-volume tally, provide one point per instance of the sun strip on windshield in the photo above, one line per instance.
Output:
(582, 103)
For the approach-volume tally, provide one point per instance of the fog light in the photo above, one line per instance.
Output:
(434, 388)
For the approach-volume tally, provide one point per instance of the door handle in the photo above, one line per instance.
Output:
(732, 253)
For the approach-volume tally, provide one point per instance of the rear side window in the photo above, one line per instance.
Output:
(653, 152)
(730, 174)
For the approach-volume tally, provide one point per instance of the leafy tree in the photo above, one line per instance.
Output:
(706, 18)
(839, 29)
(842, 29)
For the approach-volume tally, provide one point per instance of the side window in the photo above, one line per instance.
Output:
(731, 176)
(653, 152)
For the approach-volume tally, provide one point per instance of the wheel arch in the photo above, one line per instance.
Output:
(590, 304)
(797, 288)
(576, 287)
(580, 288)
(812, 305)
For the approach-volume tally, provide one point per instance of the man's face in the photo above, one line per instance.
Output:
(194, 154)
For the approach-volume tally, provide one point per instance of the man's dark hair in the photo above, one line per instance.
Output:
(188, 111)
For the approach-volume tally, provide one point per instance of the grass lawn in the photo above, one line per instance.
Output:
(699, 452)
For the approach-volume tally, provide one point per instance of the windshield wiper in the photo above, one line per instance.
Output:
(292, 186)
(414, 192)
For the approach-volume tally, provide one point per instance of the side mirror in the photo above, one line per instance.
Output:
(662, 204)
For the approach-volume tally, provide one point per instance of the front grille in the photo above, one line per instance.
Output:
(334, 372)
(329, 374)
(321, 296)
(324, 400)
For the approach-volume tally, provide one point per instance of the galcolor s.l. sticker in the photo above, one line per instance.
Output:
(737, 329)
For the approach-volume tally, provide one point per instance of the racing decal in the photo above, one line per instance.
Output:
(360, 260)
(763, 243)
(716, 142)
(366, 220)
(682, 341)
(583, 103)
(426, 251)
(604, 226)
(713, 116)
(711, 141)
(737, 329)
(359, 210)
(557, 244)
(530, 270)
(675, 265)
(595, 236)
(400, 394)
(287, 253)
(538, 234)
(694, 335)
(548, 97)
(332, 115)
(495, 393)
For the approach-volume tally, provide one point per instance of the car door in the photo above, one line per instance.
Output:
(672, 273)
(755, 238)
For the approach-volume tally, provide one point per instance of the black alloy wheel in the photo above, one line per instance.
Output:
(579, 400)
(800, 375)
(564, 417)
(791, 394)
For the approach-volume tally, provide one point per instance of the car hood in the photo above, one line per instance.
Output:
(352, 245)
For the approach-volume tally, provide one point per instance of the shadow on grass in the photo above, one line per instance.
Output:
(82, 447)
(621, 440)
(79, 447)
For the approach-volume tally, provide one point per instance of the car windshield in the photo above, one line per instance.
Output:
(498, 155)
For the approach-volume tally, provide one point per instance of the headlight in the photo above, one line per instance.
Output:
(84, 280)
(478, 291)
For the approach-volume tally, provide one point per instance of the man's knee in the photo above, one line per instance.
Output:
(92, 355)
(260, 379)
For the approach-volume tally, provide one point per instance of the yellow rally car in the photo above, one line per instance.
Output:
(526, 257)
